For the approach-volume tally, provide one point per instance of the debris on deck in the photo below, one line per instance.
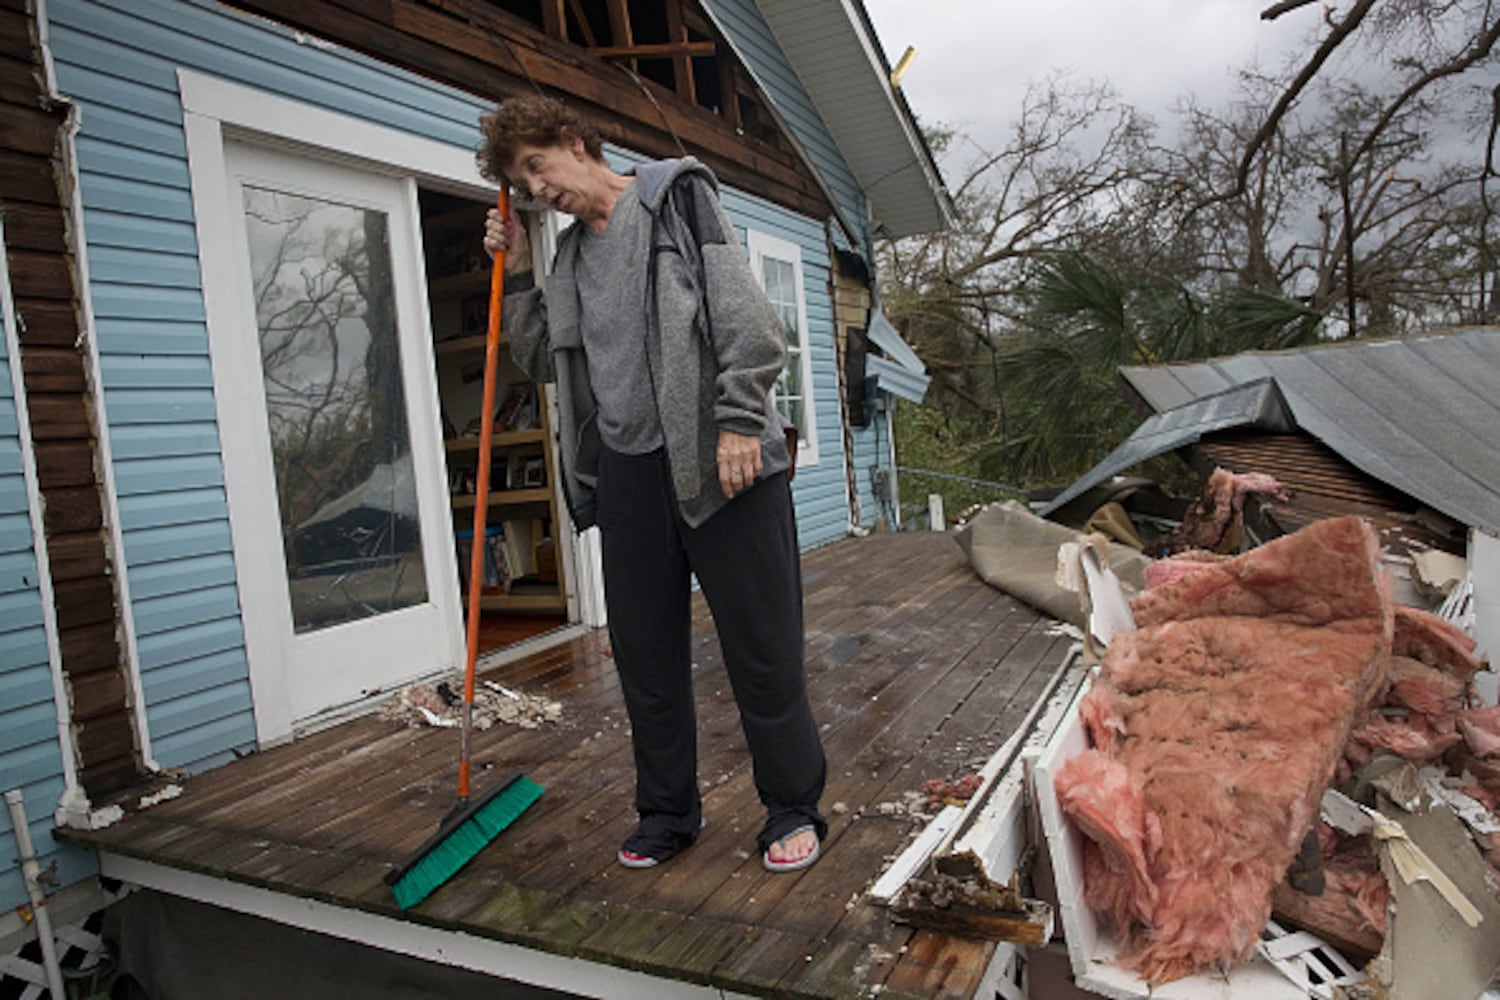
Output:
(1193, 770)
(440, 703)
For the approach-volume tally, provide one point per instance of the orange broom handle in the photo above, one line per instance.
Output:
(481, 500)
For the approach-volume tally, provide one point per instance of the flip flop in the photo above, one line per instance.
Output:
(630, 859)
(791, 866)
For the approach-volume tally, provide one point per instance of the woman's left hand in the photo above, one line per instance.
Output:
(739, 461)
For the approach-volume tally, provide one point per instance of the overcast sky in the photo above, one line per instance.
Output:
(975, 57)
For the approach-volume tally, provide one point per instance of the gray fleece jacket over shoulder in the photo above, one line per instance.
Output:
(716, 346)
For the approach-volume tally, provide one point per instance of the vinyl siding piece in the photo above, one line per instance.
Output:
(118, 61)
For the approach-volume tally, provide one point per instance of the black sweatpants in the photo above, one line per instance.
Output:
(748, 566)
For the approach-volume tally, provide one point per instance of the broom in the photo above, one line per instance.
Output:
(470, 826)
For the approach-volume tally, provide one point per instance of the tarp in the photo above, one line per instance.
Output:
(1015, 551)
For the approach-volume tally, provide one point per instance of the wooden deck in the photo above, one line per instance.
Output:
(917, 669)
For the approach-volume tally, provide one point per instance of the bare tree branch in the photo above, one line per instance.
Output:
(1274, 11)
(1268, 128)
(1481, 47)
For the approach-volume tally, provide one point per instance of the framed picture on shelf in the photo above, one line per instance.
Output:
(534, 471)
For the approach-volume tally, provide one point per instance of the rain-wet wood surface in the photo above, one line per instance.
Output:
(916, 669)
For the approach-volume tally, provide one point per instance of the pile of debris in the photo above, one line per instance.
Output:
(440, 703)
(1253, 688)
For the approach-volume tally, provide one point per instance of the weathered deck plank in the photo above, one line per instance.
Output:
(916, 669)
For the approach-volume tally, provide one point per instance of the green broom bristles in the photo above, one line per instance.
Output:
(451, 848)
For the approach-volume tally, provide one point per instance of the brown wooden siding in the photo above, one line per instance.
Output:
(54, 366)
(480, 48)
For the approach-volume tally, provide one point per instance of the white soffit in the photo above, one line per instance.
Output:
(844, 73)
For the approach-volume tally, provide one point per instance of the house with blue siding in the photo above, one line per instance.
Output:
(188, 450)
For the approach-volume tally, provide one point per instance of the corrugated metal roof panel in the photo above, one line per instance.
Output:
(1257, 404)
(1415, 413)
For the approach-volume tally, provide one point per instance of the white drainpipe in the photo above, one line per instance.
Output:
(32, 873)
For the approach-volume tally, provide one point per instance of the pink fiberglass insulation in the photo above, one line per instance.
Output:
(1418, 718)
(1481, 730)
(1206, 523)
(1227, 708)
(1424, 636)
(1160, 571)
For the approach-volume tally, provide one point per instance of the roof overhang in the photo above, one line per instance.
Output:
(833, 49)
(1256, 404)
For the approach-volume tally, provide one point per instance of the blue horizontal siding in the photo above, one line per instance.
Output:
(126, 335)
(181, 575)
(135, 478)
(175, 611)
(202, 674)
(20, 610)
(17, 572)
(138, 302)
(15, 533)
(22, 649)
(207, 744)
(160, 509)
(29, 765)
(189, 643)
(158, 406)
(177, 716)
(165, 546)
(133, 197)
(156, 441)
(109, 125)
(13, 496)
(107, 159)
(143, 371)
(131, 232)
(28, 724)
(144, 267)
(31, 684)
(10, 455)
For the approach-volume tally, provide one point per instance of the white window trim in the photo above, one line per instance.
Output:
(761, 245)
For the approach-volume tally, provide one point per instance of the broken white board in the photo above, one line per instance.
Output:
(1091, 945)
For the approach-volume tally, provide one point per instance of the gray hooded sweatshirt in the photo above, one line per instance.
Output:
(715, 345)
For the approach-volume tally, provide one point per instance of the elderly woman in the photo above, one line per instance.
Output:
(664, 350)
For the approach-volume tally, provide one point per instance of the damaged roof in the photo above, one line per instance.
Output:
(1417, 413)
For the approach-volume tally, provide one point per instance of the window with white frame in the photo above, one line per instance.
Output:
(778, 265)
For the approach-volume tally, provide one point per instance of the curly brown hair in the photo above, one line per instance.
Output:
(530, 120)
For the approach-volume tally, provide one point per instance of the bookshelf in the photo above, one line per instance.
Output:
(526, 574)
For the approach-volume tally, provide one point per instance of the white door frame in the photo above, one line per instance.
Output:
(213, 111)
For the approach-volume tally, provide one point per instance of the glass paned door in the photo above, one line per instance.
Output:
(330, 353)
(328, 414)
